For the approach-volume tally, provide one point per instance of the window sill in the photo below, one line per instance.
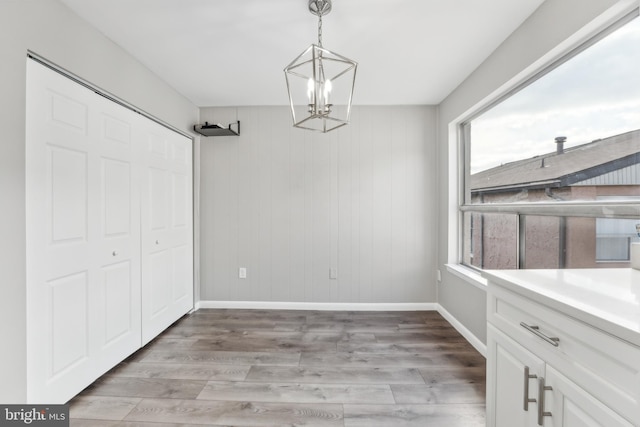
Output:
(468, 275)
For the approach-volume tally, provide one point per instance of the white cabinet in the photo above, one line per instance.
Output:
(515, 379)
(92, 209)
(547, 368)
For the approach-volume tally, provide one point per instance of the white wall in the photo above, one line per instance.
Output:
(290, 204)
(552, 24)
(51, 30)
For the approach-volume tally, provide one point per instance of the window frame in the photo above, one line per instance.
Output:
(460, 131)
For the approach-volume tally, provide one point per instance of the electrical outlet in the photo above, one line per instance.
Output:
(333, 273)
(242, 273)
(438, 276)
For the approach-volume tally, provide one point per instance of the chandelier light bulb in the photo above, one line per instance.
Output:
(311, 88)
(327, 91)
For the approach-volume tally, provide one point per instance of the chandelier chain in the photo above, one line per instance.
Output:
(320, 30)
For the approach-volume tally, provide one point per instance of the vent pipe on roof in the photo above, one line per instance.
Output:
(560, 140)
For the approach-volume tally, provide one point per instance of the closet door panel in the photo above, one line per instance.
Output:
(158, 200)
(67, 111)
(117, 283)
(65, 213)
(181, 273)
(182, 251)
(160, 278)
(116, 176)
(68, 202)
(181, 207)
(167, 231)
(58, 222)
(68, 321)
(182, 225)
(116, 233)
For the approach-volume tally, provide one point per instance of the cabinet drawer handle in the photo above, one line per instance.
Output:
(554, 341)
(541, 389)
(527, 377)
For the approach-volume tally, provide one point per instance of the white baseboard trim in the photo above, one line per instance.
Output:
(466, 333)
(326, 306)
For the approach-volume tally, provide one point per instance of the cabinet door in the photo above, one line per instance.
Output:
(571, 406)
(167, 229)
(512, 387)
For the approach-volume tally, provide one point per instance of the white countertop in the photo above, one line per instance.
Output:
(607, 298)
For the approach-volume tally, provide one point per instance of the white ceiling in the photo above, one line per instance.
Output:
(233, 52)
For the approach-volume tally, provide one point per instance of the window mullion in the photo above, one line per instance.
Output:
(593, 209)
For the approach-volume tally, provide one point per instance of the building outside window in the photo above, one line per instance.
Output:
(552, 175)
(614, 236)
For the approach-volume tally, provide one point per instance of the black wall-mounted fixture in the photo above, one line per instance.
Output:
(217, 129)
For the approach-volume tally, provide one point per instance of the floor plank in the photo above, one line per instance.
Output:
(269, 342)
(145, 387)
(102, 407)
(223, 357)
(182, 371)
(78, 422)
(335, 375)
(236, 413)
(444, 384)
(372, 346)
(396, 360)
(414, 415)
(438, 393)
(297, 393)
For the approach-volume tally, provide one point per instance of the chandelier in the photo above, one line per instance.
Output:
(320, 83)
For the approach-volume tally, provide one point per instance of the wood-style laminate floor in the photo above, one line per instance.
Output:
(294, 368)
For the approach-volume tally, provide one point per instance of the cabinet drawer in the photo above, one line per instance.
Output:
(605, 365)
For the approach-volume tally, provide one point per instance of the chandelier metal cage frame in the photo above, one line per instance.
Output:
(322, 78)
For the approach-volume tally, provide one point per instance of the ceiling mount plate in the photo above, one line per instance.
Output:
(320, 7)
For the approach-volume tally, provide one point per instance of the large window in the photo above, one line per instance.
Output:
(552, 172)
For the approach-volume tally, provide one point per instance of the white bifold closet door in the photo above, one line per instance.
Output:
(87, 194)
(167, 229)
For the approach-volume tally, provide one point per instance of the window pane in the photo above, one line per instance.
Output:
(560, 242)
(544, 241)
(615, 235)
(570, 135)
(490, 241)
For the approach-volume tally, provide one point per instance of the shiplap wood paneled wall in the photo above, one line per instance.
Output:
(289, 205)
